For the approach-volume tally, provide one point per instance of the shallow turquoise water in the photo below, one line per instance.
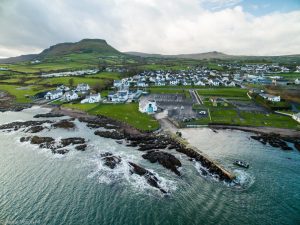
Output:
(37, 187)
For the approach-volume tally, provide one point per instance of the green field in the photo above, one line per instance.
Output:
(77, 80)
(163, 90)
(22, 94)
(232, 117)
(224, 92)
(127, 113)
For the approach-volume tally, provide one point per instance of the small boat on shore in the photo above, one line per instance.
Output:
(241, 164)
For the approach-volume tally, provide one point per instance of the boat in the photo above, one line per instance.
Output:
(241, 163)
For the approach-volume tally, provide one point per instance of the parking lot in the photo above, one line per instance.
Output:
(177, 105)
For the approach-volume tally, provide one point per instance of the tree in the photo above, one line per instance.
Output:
(71, 82)
(97, 87)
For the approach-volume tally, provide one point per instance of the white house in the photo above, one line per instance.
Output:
(117, 83)
(174, 82)
(91, 99)
(63, 88)
(70, 96)
(82, 87)
(51, 95)
(123, 96)
(297, 81)
(160, 83)
(214, 82)
(230, 84)
(141, 84)
(297, 117)
(271, 98)
(199, 83)
(147, 106)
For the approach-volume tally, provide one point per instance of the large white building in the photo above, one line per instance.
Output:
(51, 95)
(92, 99)
(147, 106)
(271, 98)
(70, 96)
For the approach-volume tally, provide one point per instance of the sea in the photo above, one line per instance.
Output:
(38, 187)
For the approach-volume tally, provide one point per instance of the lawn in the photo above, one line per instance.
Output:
(224, 92)
(269, 120)
(127, 113)
(232, 117)
(77, 80)
(106, 75)
(82, 107)
(163, 90)
(21, 93)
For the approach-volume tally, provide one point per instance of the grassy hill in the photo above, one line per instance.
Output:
(85, 46)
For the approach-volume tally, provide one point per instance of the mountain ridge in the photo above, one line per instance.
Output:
(99, 47)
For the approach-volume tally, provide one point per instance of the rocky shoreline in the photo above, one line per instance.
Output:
(275, 137)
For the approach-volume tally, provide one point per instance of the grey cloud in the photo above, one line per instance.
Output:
(177, 26)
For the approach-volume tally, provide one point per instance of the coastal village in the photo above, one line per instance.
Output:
(186, 106)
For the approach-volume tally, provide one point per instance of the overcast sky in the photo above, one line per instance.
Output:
(247, 27)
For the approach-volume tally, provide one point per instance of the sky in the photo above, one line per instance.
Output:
(239, 27)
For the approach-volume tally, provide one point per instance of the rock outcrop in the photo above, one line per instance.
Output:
(150, 177)
(274, 140)
(165, 159)
(110, 160)
(64, 124)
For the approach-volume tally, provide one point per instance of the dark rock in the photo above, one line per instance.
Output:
(18, 125)
(165, 159)
(110, 134)
(40, 140)
(35, 129)
(24, 139)
(297, 146)
(72, 141)
(48, 115)
(110, 160)
(64, 124)
(60, 151)
(150, 177)
(99, 121)
(81, 147)
(274, 140)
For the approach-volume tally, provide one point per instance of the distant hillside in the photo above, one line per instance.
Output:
(18, 59)
(98, 46)
(90, 47)
(90, 50)
(221, 56)
(197, 56)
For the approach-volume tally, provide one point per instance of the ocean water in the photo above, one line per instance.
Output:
(37, 187)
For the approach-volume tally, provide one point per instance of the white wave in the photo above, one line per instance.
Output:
(121, 173)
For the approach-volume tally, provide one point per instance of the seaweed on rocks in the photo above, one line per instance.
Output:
(165, 159)
(56, 147)
(64, 124)
(150, 177)
(275, 140)
(48, 115)
(110, 160)
(110, 134)
(81, 147)
(35, 129)
(14, 126)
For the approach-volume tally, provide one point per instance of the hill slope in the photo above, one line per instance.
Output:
(97, 46)
(90, 48)
(197, 56)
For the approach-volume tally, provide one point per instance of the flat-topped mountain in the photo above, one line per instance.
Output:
(93, 49)
(97, 46)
